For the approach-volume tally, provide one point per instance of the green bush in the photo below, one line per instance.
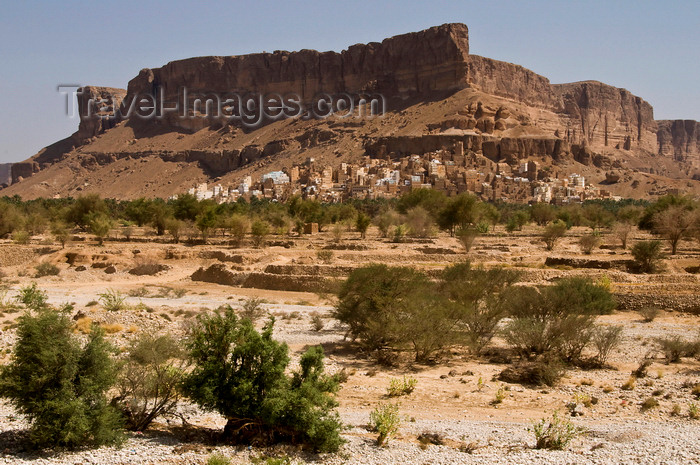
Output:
(252, 309)
(557, 321)
(218, 458)
(149, 381)
(555, 433)
(240, 373)
(259, 230)
(647, 256)
(401, 387)
(46, 269)
(398, 308)
(113, 301)
(59, 385)
(385, 420)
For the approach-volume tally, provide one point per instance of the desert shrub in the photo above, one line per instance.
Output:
(588, 243)
(519, 219)
(693, 411)
(480, 299)
(401, 387)
(622, 232)
(399, 233)
(32, 297)
(675, 223)
(218, 458)
(58, 384)
(174, 228)
(60, 232)
(148, 385)
(317, 322)
(259, 230)
(373, 299)
(553, 232)
(112, 301)
(252, 309)
(542, 213)
(466, 237)
(100, 225)
(21, 237)
(385, 420)
(649, 403)
(240, 373)
(539, 372)
(419, 222)
(674, 347)
(326, 256)
(605, 340)
(387, 220)
(396, 308)
(46, 269)
(554, 433)
(206, 221)
(647, 256)
(557, 320)
(649, 313)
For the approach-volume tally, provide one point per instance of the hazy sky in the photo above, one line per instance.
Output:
(650, 48)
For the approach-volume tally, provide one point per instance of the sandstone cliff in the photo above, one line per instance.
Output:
(438, 95)
(680, 139)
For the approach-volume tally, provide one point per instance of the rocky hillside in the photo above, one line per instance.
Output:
(437, 95)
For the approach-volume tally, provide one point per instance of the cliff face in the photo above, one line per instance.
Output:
(502, 110)
(680, 140)
(96, 106)
(600, 114)
(412, 64)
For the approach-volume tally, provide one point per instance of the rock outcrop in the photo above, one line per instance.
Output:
(422, 63)
(96, 106)
(522, 113)
(680, 140)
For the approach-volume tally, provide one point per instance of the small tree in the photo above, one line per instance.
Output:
(259, 229)
(589, 242)
(553, 232)
(205, 222)
(100, 225)
(174, 228)
(58, 384)
(466, 237)
(362, 222)
(419, 222)
(149, 381)
(647, 256)
(238, 226)
(674, 223)
(240, 373)
(60, 233)
(622, 231)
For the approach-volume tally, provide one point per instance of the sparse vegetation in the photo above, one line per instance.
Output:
(112, 300)
(401, 387)
(385, 420)
(554, 433)
(46, 269)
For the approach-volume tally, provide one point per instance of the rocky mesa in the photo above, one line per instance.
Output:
(436, 94)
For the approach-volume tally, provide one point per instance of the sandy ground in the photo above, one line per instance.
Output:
(449, 398)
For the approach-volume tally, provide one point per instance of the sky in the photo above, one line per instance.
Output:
(651, 48)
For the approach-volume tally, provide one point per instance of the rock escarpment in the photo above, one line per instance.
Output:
(680, 140)
(512, 112)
